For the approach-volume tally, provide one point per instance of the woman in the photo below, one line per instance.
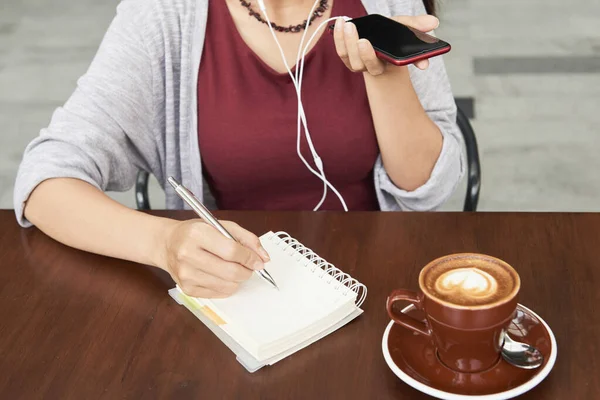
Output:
(174, 80)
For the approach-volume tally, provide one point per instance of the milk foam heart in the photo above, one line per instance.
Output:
(471, 282)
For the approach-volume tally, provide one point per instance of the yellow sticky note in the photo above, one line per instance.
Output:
(212, 315)
(207, 311)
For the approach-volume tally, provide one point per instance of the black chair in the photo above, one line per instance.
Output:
(142, 200)
(474, 166)
(473, 178)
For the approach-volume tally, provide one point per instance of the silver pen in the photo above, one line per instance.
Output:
(203, 213)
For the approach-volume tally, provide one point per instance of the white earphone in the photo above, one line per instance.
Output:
(297, 81)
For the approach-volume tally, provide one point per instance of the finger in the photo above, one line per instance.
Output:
(191, 277)
(229, 250)
(351, 39)
(247, 238)
(367, 54)
(422, 64)
(211, 264)
(340, 45)
(423, 23)
(203, 293)
(227, 270)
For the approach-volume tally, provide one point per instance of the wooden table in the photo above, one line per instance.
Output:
(80, 326)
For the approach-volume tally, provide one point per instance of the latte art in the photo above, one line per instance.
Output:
(471, 282)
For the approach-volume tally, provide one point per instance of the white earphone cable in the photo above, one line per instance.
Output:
(302, 116)
(300, 74)
(296, 80)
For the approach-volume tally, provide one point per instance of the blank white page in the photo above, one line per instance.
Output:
(265, 314)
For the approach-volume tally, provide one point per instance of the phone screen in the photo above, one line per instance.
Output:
(394, 39)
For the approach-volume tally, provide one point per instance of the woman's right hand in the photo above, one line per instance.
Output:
(206, 264)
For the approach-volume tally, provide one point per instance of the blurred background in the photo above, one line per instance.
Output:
(527, 73)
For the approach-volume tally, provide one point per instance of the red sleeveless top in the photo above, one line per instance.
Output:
(247, 124)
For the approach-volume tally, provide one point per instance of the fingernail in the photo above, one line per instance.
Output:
(263, 253)
(363, 44)
(348, 27)
(338, 24)
(258, 265)
(438, 22)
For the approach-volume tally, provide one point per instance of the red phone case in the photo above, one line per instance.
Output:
(410, 60)
(414, 59)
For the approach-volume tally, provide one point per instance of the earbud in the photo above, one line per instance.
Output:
(297, 81)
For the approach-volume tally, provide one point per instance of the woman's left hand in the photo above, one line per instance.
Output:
(358, 54)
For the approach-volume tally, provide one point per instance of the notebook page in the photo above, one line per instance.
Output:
(251, 363)
(265, 314)
(310, 331)
(357, 311)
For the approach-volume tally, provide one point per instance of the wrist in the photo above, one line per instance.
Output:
(161, 233)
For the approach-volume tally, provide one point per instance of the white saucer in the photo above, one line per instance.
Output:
(513, 392)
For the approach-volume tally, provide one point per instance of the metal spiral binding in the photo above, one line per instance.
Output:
(339, 278)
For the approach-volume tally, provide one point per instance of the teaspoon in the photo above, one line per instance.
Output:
(520, 354)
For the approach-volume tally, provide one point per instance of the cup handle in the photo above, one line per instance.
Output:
(403, 319)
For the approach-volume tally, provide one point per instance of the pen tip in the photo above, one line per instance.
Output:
(267, 277)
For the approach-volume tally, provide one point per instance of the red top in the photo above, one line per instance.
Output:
(247, 124)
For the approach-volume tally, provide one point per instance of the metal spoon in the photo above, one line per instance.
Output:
(520, 354)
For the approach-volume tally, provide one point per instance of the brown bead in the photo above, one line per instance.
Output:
(323, 5)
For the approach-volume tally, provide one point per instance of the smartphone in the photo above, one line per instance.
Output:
(396, 43)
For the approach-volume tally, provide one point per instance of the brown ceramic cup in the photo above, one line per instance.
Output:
(467, 327)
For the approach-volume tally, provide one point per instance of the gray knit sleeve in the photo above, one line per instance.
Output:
(104, 132)
(433, 89)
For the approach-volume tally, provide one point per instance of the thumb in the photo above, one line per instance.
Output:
(423, 23)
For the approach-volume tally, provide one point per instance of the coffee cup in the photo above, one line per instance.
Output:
(468, 301)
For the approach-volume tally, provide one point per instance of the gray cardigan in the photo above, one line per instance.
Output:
(135, 108)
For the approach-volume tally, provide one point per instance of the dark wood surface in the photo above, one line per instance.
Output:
(80, 326)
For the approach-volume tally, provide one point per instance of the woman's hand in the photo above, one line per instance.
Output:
(358, 54)
(204, 263)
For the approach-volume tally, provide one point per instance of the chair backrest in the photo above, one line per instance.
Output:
(142, 200)
(473, 179)
(474, 165)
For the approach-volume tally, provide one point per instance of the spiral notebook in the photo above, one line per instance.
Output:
(263, 325)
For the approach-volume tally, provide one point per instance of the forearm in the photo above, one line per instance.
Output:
(409, 141)
(77, 214)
